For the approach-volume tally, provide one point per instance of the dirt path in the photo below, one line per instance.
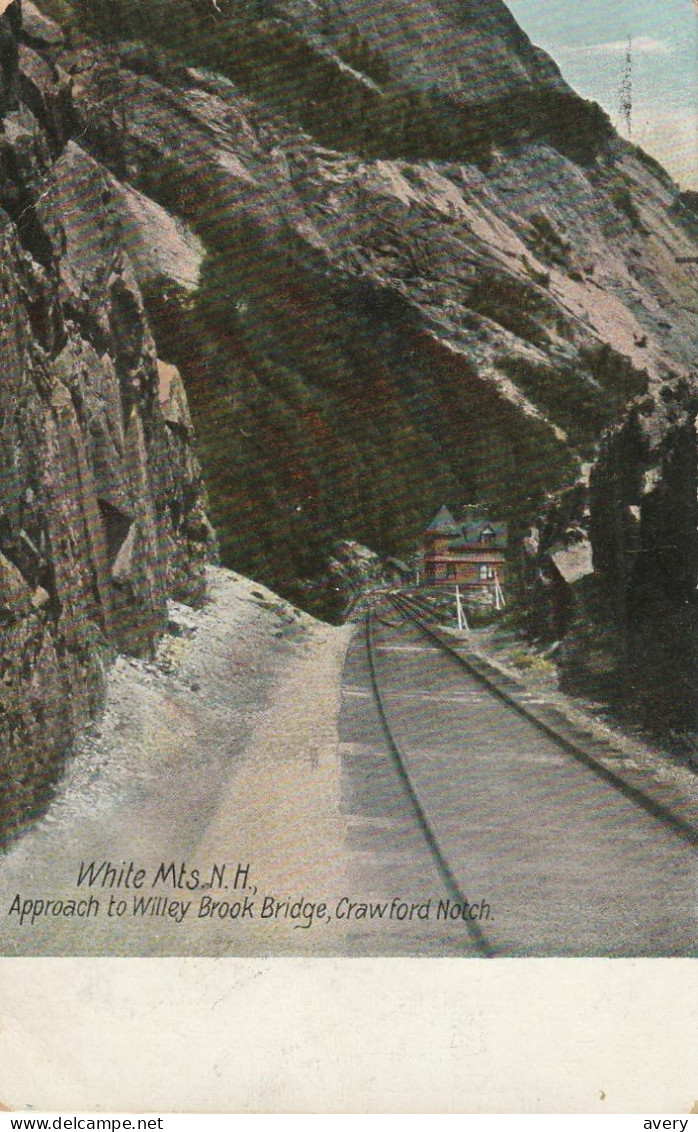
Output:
(220, 756)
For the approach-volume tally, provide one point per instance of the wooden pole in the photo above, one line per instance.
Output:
(462, 619)
(499, 600)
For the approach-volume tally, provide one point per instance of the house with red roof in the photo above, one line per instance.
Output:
(470, 554)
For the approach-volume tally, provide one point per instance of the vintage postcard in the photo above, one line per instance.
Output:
(349, 507)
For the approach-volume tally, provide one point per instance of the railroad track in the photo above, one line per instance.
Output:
(417, 613)
(438, 771)
(478, 937)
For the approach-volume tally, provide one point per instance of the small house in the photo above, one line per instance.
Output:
(470, 554)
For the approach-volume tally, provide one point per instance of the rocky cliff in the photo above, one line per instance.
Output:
(101, 500)
(372, 333)
(474, 49)
(612, 569)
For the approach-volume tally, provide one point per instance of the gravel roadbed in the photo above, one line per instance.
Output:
(222, 749)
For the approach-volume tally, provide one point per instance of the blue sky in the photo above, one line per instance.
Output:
(588, 39)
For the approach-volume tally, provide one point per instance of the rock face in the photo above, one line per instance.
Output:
(101, 501)
(10, 25)
(353, 571)
(375, 335)
(448, 44)
(453, 298)
(613, 570)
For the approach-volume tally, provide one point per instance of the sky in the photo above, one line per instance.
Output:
(589, 41)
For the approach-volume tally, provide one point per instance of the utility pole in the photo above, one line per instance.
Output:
(626, 88)
(499, 602)
(460, 613)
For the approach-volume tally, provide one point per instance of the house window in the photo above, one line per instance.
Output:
(451, 571)
(484, 573)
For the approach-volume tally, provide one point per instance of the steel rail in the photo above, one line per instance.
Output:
(477, 935)
(651, 806)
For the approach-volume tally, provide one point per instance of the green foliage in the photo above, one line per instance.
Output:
(688, 199)
(513, 304)
(541, 278)
(547, 243)
(616, 374)
(575, 127)
(685, 209)
(653, 165)
(547, 232)
(154, 22)
(622, 198)
(358, 53)
(273, 61)
(583, 401)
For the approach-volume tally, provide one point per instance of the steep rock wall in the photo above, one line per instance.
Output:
(449, 44)
(101, 501)
(613, 566)
(373, 336)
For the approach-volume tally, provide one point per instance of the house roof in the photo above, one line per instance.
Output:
(443, 523)
(468, 535)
